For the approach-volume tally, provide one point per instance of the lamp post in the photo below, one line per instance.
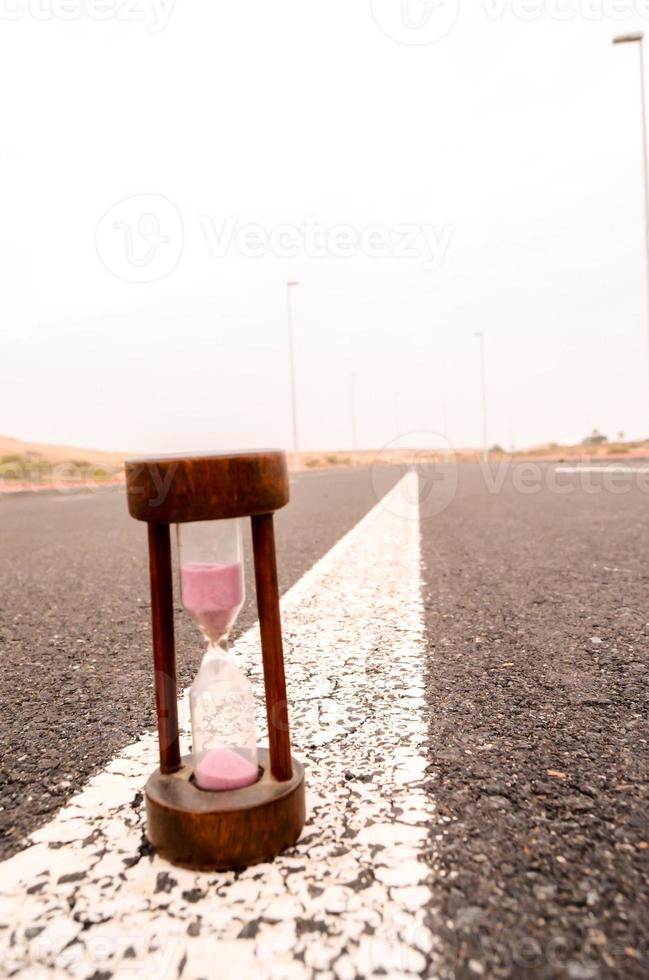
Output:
(483, 384)
(353, 379)
(291, 360)
(638, 39)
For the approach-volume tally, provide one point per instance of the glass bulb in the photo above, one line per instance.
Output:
(223, 724)
(224, 737)
(211, 575)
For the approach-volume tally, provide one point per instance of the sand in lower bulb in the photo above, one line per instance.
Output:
(221, 769)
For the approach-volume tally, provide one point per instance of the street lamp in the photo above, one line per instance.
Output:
(638, 39)
(397, 423)
(483, 381)
(353, 379)
(291, 361)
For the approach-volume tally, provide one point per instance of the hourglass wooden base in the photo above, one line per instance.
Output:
(225, 830)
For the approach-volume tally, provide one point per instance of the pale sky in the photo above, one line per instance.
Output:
(508, 150)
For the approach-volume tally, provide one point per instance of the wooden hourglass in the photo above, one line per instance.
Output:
(223, 827)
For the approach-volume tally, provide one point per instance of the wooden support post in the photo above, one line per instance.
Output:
(164, 653)
(263, 540)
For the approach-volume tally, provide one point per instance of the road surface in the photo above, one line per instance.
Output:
(469, 685)
(75, 629)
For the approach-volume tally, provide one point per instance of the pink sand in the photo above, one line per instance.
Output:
(224, 769)
(212, 595)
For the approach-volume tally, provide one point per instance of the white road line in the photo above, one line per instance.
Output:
(350, 899)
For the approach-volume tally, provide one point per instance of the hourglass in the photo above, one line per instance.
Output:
(224, 738)
(230, 803)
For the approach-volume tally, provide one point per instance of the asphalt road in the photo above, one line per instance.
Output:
(535, 592)
(537, 613)
(75, 643)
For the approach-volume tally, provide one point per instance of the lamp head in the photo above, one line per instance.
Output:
(629, 38)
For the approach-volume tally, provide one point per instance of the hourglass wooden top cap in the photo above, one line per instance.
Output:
(178, 489)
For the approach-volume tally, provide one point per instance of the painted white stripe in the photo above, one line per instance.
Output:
(351, 896)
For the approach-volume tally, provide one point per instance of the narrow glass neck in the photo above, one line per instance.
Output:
(218, 651)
